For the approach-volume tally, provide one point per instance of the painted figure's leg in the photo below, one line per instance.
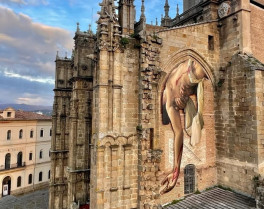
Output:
(170, 180)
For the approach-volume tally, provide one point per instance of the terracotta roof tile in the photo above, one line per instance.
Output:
(23, 115)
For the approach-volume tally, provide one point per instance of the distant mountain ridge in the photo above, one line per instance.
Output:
(46, 110)
(26, 107)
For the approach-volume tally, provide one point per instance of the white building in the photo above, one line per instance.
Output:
(25, 141)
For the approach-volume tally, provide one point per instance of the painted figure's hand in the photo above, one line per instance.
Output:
(169, 182)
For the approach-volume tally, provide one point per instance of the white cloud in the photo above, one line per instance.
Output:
(29, 48)
(25, 2)
(29, 78)
(27, 54)
(31, 99)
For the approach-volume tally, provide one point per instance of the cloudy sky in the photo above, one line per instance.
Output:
(32, 31)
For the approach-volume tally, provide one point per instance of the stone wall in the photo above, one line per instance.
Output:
(180, 44)
(114, 172)
(60, 136)
(257, 28)
(237, 125)
(194, 38)
(259, 88)
(149, 103)
(80, 119)
(234, 31)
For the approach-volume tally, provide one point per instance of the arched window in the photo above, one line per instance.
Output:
(49, 174)
(20, 134)
(30, 179)
(40, 154)
(40, 176)
(19, 159)
(7, 161)
(31, 134)
(19, 181)
(30, 156)
(51, 132)
(41, 133)
(8, 135)
(189, 179)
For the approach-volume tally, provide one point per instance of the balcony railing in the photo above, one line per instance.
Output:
(12, 166)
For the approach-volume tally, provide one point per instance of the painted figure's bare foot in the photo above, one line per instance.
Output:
(170, 180)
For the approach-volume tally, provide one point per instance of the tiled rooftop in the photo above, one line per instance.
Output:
(23, 115)
(215, 199)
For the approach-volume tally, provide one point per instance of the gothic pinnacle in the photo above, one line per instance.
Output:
(143, 10)
(177, 12)
(78, 28)
(90, 29)
(167, 9)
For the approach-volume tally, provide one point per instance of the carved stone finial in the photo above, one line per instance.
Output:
(143, 17)
(57, 55)
(78, 28)
(90, 30)
(177, 12)
(167, 9)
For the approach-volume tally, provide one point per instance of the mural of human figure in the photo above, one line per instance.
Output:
(185, 80)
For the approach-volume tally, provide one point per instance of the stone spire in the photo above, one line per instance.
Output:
(142, 16)
(90, 32)
(78, 27)
(166, 21)
(108, 26)
(127, 13)
(177, 10)
(108, 9)
(167, 9)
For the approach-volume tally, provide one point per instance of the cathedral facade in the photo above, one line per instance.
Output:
(145, 114)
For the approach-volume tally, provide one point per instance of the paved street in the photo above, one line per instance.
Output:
(35, 200)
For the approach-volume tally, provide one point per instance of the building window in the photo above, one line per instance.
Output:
(21, 134)
(40, 176)
(7, 161)
(8, 136)
(49, 174)
(30, 156)
(50, 132)
(41, 133)
(9, 114)
(189, 179)
(40, 154)
(30, 179)
(49, 152)
(19, 159)
(210, 42)
(19, 181)
(31, 134)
